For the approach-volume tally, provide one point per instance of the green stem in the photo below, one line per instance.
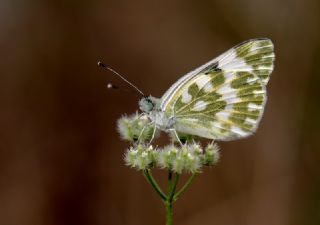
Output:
(170, 174)
(154, 184)
(171, 189)
(169, 213)
(174, 187)
(185, 186)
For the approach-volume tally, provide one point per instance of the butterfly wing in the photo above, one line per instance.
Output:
(223, 99)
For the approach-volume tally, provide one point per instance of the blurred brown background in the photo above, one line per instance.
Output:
(61, 158)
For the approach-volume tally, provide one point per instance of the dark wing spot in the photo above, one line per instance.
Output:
(212, 67)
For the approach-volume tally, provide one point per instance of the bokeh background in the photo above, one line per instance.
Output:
(60, 155)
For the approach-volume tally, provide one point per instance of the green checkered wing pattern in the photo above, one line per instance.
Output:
(225, 98)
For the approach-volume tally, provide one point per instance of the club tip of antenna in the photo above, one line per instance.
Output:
(101, 64)
(112, 86)
(109, 85)
(119, 75)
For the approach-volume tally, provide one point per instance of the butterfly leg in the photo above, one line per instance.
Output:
(176, 135)
(141, 133)
(143, 129)
(153, 133)
(141, 115)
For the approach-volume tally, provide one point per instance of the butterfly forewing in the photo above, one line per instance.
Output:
(255, 56)
(225, 99)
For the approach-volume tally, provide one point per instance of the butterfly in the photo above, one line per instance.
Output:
(223, 99)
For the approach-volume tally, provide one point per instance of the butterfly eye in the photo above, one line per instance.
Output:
(146, 104)
(149, 101)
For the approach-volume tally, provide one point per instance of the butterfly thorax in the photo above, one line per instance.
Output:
(162, 120)
(151, 106)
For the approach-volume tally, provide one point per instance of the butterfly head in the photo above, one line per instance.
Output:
(147, 104)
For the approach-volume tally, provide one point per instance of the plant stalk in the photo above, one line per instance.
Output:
(185, 186)
(172, 196)
(168, 203)
(169, 213)
(154, 184)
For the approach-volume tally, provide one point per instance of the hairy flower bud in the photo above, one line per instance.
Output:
(141, 157)
(136, 128)
(167, 157)
(211, 155)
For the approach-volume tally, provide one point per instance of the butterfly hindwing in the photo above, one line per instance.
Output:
(225, 99)
(230, 108)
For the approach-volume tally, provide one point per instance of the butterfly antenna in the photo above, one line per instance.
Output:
(119, 75)
(112, 86)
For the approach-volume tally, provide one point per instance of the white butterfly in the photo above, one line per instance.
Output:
(223, 99)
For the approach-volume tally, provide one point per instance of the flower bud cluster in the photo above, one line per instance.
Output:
(141, 157)
(135, 127)
(188, 158)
